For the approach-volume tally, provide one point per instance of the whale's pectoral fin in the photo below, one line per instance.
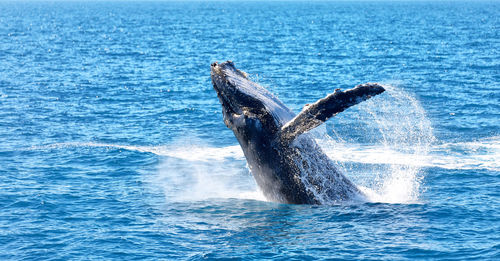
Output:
(315, 114)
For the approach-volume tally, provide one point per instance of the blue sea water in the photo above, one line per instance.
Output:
(112, 143)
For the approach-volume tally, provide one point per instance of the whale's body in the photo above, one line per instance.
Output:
(286, 162)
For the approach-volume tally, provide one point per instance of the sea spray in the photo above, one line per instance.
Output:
(392, 125)
(191, 172)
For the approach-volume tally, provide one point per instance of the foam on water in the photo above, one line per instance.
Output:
(188, 153)
(480, 154)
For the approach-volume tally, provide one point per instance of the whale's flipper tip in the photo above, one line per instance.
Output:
(370, 88)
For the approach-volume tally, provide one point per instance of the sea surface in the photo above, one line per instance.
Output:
(112, 143)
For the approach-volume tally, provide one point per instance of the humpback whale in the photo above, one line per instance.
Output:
(287, 163)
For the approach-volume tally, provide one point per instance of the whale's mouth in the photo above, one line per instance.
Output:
(224, 90)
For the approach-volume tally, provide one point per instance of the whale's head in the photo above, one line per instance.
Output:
(256, 117)
(248, 108)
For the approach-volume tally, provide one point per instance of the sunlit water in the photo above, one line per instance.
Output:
(113, 144)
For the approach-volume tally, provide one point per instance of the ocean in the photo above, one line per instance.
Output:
(113, 146)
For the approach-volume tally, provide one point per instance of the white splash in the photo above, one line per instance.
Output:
(392, 125)
(200, 172)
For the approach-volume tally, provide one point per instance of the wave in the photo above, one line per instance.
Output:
(480, 154)
(189, 153)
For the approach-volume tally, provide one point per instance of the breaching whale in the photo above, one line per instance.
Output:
(286, 162)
